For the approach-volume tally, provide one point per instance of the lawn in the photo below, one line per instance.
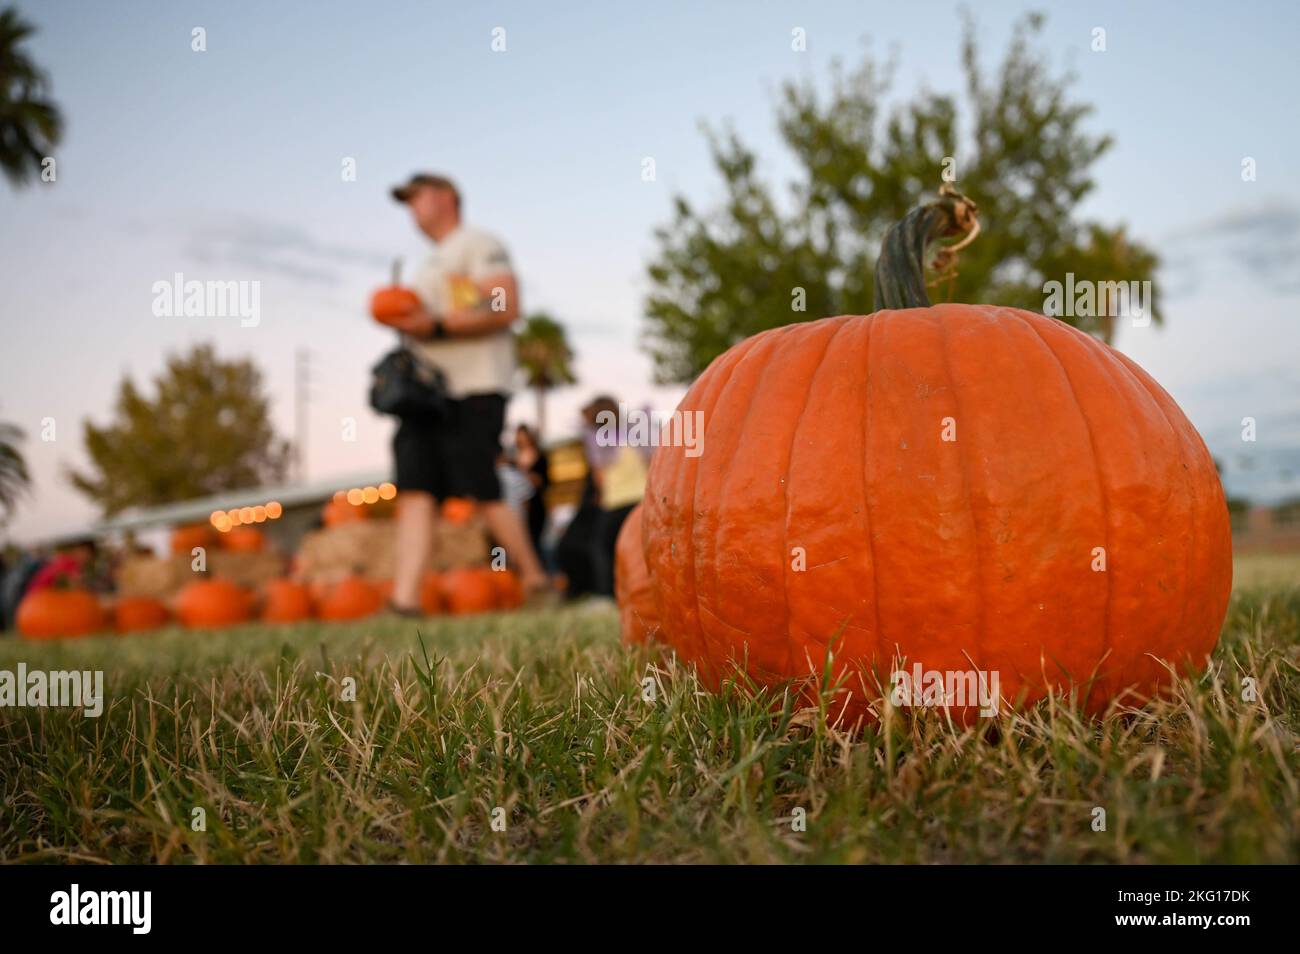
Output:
(528, 738)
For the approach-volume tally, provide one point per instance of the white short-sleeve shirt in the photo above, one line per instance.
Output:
(449, 278)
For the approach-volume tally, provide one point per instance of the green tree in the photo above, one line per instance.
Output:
(1019, 150)
(206, 429)
(547, 360)
(30, 124)
(14, 477)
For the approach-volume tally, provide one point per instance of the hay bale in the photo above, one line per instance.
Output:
(250, 570)
(158, 577)
(463, 545)
(366, 547)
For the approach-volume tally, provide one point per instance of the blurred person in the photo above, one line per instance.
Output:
(534, 464)
(516, 489)
(468, 298)
(575, 549)
(618, 472)
(81, 563)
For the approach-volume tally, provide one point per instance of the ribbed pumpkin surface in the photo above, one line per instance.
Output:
(974, 553)
(638, 613)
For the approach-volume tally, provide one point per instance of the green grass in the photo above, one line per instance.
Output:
(542, 716)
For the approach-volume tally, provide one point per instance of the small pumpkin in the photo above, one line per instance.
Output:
(185, 539)
(431, 593)
(286, 601)
(243, 540)
(339, 511)
(508, 589)
(135, 614)
(951, 476)
(211, 602)
(53, 612)
(468, 589)
(458, 511)
(392, 301)
(352, 597)
(638, 613)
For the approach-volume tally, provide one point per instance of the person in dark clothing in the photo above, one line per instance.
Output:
(573, 554)
(532, 461)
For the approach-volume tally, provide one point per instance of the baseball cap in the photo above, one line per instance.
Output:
(402, 193)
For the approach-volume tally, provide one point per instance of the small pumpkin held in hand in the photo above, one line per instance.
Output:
(638, 614)
(52, 613)
(212, 602)
(967, 487)
(394, 300)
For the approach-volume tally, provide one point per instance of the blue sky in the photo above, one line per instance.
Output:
(226, 165)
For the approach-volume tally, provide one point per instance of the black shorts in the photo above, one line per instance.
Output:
(456, 455)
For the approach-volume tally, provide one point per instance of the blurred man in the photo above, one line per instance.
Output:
(619, 474)
(468, 299)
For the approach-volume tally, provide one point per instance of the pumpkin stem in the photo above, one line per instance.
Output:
(900, 270)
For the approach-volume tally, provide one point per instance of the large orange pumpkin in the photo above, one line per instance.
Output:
(351, 598)
(967, 487)
(468, 589)
(638, 613)
(287, 601)
(211, 602)
(185, 539)
(134, 614)
(243, 540)
(51, 612)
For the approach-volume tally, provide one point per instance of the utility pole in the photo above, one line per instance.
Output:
(301, 402)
